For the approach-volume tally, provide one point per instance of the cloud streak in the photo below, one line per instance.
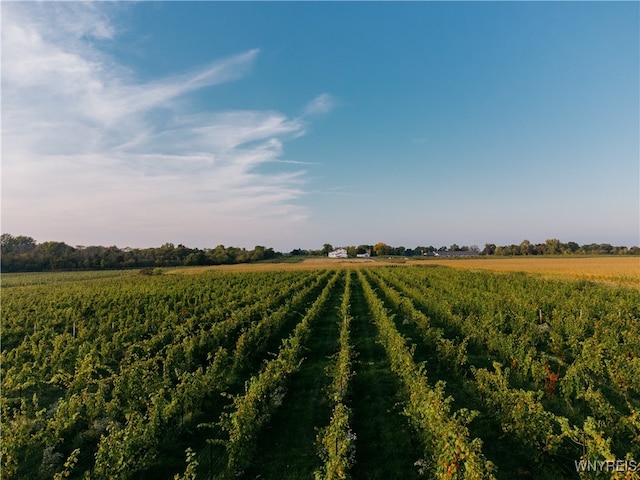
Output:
(323, 103)
(94, 155)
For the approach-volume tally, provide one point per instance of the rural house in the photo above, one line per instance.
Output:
(338, 253)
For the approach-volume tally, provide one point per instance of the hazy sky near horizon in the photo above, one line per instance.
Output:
(293, 124)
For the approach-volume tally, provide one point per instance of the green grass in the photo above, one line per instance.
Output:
(385, 446)
(287, 448)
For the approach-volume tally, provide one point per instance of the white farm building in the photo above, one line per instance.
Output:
(338, 253)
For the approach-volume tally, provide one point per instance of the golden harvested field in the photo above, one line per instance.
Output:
(606, 269)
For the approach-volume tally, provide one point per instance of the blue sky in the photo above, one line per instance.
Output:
(294, 124)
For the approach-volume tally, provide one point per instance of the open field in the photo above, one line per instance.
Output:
(607, 269)
(312, 263)
(411, 371)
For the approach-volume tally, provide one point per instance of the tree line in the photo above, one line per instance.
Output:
(23, 254)
(551, 246)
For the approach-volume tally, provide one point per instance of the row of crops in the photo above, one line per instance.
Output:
(386, 372)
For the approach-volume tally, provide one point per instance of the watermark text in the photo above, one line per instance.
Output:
(607, 466)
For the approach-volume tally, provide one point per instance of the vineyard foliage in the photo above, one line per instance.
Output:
(497, 376)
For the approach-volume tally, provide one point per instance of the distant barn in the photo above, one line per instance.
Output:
(338, 253)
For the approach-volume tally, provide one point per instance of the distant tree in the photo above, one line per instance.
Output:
(269, 253)
(606, 248)
(219, 256)
(489, 249)
(19, 244)
(196, 258)
(364, 249)
(166, 255)
(112, 257)
(421, 250)
(258, 253)
(326, 248)
(238, 255)
(552, 246)
(55, 255)
(381, 248)
(571, 247)
(526, 248)
(539, 249)
(181, 253)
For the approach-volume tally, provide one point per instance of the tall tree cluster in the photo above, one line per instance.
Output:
(24, 254)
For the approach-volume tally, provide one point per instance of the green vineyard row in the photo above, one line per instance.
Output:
(337, 440)
(118, 377)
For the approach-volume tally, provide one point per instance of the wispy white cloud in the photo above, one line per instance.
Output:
(323, 103)
(94, 153)
(296, 162)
